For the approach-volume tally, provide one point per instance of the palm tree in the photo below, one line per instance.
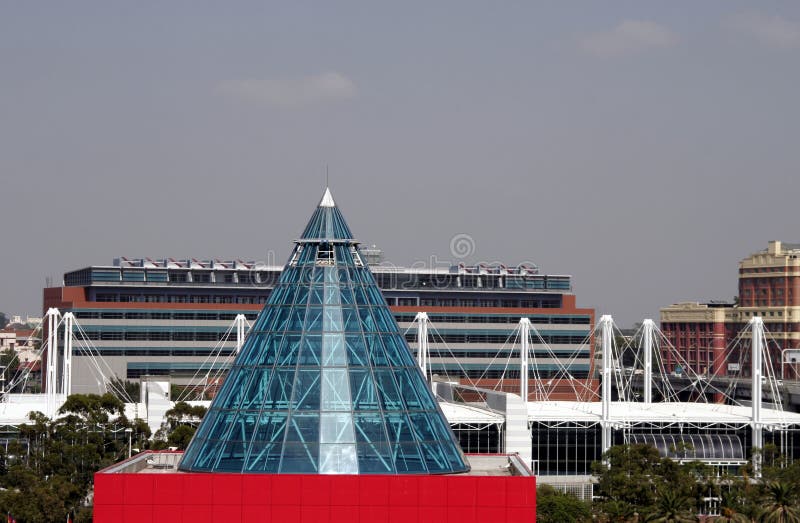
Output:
(780, 504)
(672, 508)
(729, 512)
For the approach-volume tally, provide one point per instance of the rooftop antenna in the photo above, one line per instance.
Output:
(326, 176)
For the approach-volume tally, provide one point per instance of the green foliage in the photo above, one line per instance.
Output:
(10, 363)
(636, 484)
(180, 423)
(47, 472)
(780, 503)
(3, 320)
(125, 390)
(553, 506)
(635, 481)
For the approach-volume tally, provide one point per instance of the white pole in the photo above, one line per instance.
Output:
(422, 342)
(240, 319)
(649, 327)
(524, 350)
(757, 332)
(52, 359)
(66, 373)
(607, 331)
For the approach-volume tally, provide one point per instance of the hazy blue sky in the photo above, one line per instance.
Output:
(642, 147)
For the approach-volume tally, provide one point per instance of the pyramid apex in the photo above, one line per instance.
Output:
(327, 199)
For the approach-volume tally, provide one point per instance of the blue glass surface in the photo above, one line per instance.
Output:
(325, 382)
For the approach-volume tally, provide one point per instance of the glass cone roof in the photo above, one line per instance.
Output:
(325, 382)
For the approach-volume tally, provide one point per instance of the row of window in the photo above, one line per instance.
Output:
(545, 302)
(107, 297)
(510, 319)
(158, 315)
(497, 338)
(155, 336)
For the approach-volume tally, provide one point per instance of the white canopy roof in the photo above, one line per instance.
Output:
(634, 413)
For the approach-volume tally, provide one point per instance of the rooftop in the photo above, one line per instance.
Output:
(166, 462)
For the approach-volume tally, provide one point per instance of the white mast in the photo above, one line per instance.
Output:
(52, 359)
(239, 321)
(757, 332)
(524, 349)
(648, 329)
(607, 331)
(422, 342)
(66, 372)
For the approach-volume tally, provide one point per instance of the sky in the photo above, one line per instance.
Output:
(642, 147)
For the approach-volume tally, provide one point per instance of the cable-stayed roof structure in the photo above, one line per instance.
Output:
(325, 382)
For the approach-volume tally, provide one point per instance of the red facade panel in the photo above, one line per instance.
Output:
(178, 497)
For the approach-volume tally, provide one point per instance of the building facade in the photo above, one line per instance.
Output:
(769, 287)
(167, 317)
(699, 334)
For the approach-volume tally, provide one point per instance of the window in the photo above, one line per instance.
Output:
(325, 254)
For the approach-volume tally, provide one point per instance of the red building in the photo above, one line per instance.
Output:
(703, 334)
(149, 488)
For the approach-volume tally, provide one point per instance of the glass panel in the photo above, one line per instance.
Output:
(407, 458)
(336, 428)
(422, 427)
(289, 350)
(361, 298)
(317, 295)
(434, 457)
(388, 390)
(408, 392)
(267, 351)
(300, 458)
(232, 458)
(346, 294)
(306, 390)
(264, 457)
(350, 319)
(394, 352)
(314, 319)
(375, 348)
(235, 385)
(312, 347)
(207, 457)
(280, 390)
(335, 390)
(356, 349)
(303, 428)
(332, 320)
(337, 459)
(243, 426)
(331, 275)
(369, 428)
(374, 458)
(296, 319)
(301, 297)
(362, 389)
(270, 427)
(333, 351)
(398, 428)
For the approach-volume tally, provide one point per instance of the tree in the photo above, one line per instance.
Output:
(9, 364)
(124, 390)
(672, 508)
(632, 479)
(179, 425)
(3, 320)
(780, 504)
(553, 506)
(47, 471)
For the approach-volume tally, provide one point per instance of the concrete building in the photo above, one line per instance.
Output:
(166, 317)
